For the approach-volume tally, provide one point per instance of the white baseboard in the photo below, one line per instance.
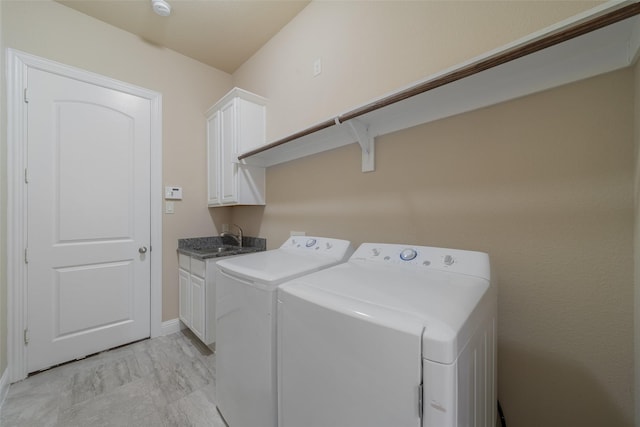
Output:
(171, 326)
(4, 386)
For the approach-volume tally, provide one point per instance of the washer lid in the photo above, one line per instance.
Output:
(446, 306)
(297, 256)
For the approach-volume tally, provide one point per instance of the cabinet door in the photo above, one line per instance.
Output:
(251, 125)
(210, 304)
(213, 159)
(185, 297)
(197, 306)
(228, 148)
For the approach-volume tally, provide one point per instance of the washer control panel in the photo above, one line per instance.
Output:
(454, 260)
(320, 245)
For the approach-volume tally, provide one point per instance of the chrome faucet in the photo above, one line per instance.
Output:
(237, 237)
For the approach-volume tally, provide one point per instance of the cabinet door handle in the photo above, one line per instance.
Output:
(143, 250)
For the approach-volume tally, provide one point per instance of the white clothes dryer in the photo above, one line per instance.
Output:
(398, 336)
(246, 286)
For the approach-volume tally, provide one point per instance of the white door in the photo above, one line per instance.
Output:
(88, 220)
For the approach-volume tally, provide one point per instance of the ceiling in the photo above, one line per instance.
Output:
(220, 33)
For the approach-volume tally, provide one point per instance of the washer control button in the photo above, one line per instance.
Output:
(408, 254)
(311, 242)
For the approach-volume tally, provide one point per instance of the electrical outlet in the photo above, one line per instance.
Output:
(317, 67)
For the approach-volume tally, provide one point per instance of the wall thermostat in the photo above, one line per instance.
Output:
(173, 193)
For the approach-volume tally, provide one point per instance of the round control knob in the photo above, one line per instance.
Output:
(408, 254)
(448, 260)
(311, 242)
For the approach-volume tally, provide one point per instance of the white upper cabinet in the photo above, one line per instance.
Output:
(235, 124)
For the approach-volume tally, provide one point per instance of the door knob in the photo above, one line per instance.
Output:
(143, 250)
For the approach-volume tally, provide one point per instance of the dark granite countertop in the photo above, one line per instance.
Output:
(216, 246)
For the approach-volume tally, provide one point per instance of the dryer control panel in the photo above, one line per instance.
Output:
(337, 248)
(471, 263)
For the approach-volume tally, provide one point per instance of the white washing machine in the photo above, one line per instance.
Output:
(398, 336)
(246, 392)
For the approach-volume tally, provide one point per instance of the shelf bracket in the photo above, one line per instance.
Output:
(367, 144)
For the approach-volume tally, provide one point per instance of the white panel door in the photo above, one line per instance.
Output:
(88, 220)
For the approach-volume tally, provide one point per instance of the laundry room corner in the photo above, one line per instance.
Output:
(543, 183)
(506, 129)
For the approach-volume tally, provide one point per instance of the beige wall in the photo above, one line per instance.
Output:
(543, 183)
(188, 88)
(369, 49)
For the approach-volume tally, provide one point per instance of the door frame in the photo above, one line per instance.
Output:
(18, 64)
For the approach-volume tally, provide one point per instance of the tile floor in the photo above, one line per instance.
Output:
(165, 381)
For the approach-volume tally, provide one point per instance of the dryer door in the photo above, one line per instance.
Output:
(340, 369)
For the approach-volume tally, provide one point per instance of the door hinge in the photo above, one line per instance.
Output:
(26, 98)
(26, 336)
(26, 255)
(420, 406)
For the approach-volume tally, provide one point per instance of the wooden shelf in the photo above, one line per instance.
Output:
(601, 40)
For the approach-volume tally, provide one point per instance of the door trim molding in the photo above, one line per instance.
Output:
(4, 387)
(18, 64)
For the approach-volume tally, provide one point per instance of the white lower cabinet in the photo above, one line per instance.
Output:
(197, 292)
